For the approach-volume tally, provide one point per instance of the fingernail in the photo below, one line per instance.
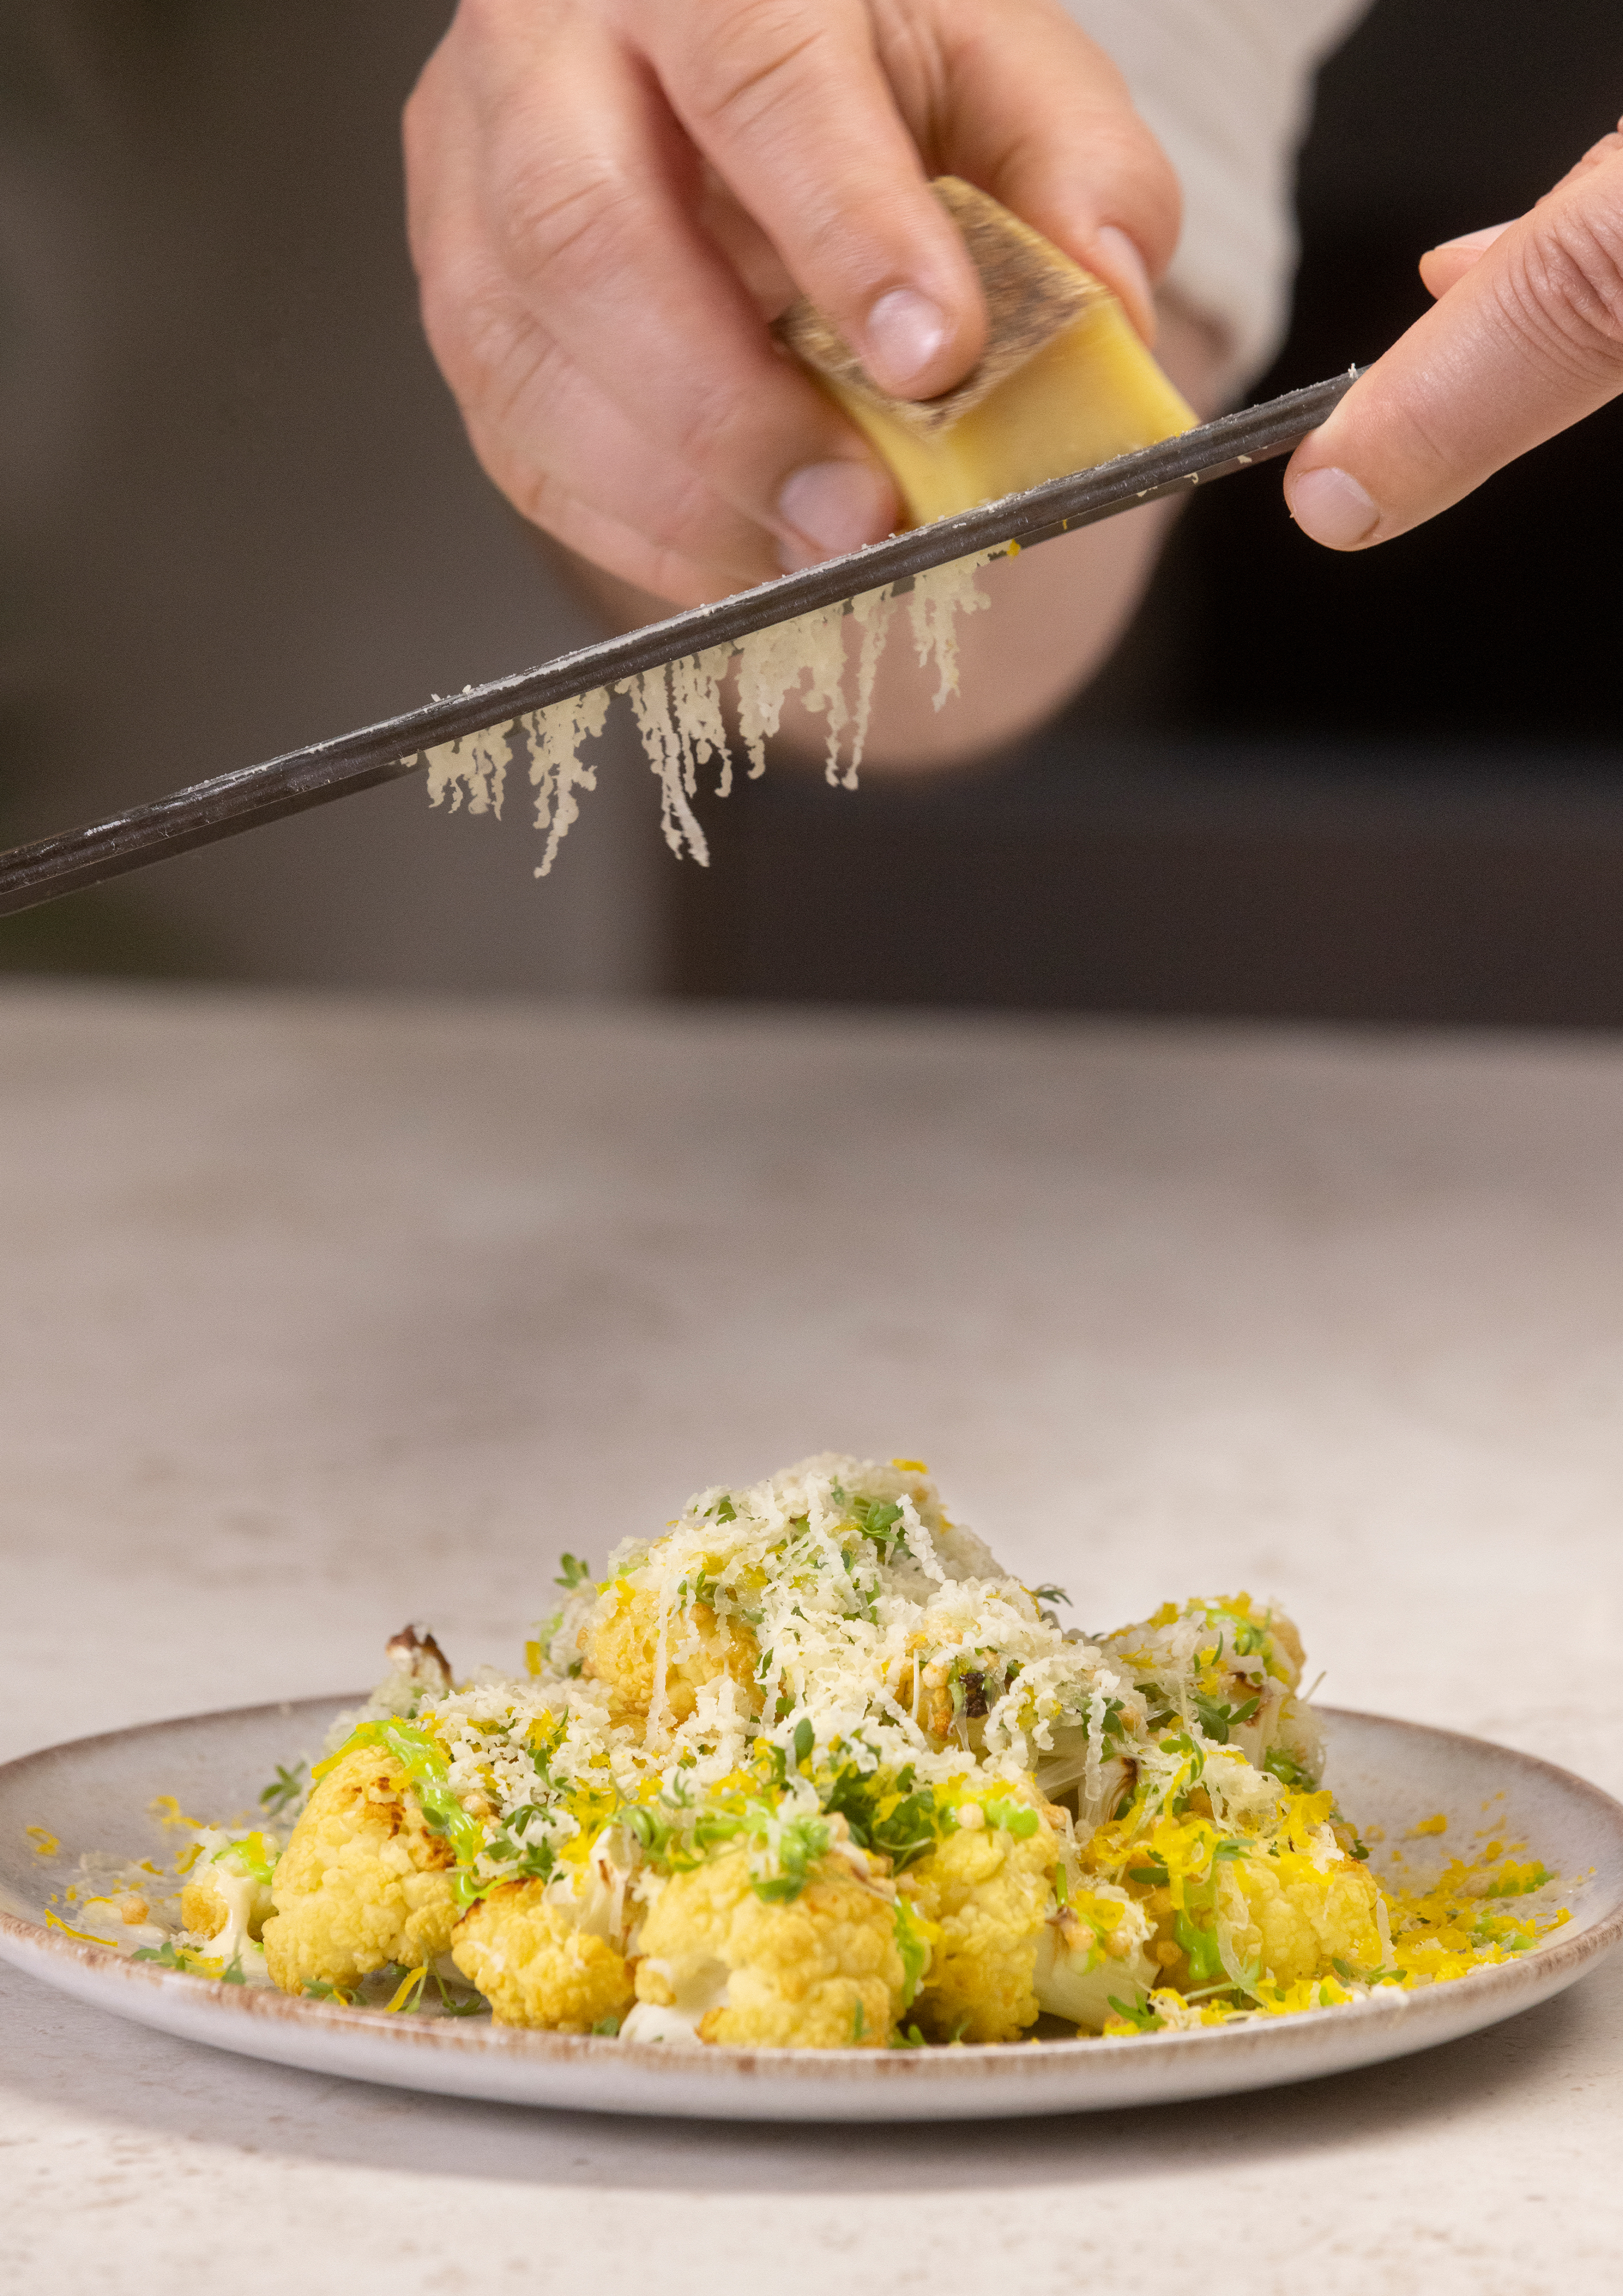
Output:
(1330, 506)
(904, 335)
(1473, 239)
(1126, 270)
(833, 507)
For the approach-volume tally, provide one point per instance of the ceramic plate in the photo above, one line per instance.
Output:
(94, 1794)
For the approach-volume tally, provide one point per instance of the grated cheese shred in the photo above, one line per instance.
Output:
(934, 604)
(670, 748)
(555, 771)
(474, 766)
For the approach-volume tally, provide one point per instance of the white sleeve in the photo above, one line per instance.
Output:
(1227, 87)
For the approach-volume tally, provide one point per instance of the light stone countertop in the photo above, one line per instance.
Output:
(319, 1315)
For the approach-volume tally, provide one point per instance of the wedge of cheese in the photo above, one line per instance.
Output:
(1064, 382)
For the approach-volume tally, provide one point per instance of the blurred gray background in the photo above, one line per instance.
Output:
(237, 513)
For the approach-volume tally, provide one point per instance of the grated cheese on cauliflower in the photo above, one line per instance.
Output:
(810, 1769)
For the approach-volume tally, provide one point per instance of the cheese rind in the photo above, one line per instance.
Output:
(1064, 382)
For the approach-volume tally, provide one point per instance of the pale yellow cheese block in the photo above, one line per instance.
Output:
(1064, 382)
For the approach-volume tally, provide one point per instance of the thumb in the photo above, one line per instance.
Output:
(1524, 340)
(1443, 267)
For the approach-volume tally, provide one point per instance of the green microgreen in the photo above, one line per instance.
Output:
(1282, 1765)
(164, 1955)
(1016, 1817)
(285, 1787)
(800, 1843)
(1200, 1945)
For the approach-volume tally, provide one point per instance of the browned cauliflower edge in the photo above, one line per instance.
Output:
(363, 1880)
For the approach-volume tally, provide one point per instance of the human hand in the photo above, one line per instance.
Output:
(1525, 338)
(609, 200)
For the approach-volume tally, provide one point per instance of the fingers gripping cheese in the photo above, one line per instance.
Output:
(1064, 382)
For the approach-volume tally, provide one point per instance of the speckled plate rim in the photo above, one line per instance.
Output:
(582, 2072)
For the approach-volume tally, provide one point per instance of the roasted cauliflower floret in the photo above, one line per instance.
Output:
(620, 1644)
(363, 1880)
(985, 1892)
(1298, 1920)
(536, 1965)
(1231, 1669)
(203, 1910)
(823, 1971)
(1091, 1955)
(226, 1902)
(675, 1615)
(1274, 1907)
(1282, 1919)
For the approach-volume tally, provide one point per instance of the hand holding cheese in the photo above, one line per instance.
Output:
(1064, 383)
(1525, 338)
(611, 199)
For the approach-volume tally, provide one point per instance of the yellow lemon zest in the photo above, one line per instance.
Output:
(411, 1985)
(168, 1813)
(1275, 2000)
(55, 1922)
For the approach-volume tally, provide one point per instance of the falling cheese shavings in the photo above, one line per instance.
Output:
(474, 766)
(671, 759)
(936, 600)
(822, 641)
(678, 711)
(770, 662)
(682, 721)
(555, 771)
(872, 614)
(695, 698)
